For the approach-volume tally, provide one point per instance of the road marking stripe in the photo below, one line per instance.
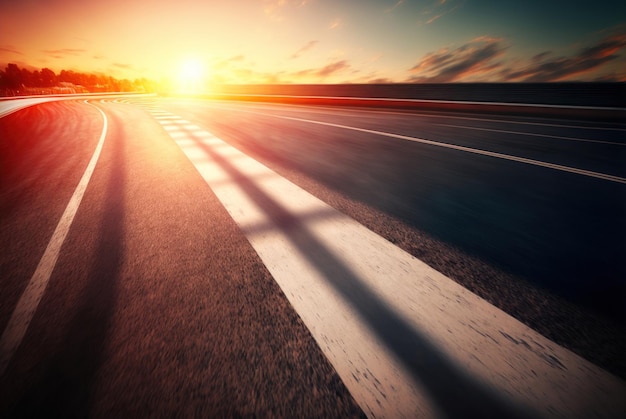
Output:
(524, 160)
(532, 134)
(406, 340)
(540, 124)
(28, 302)
(451, 102)
(165, 117)
(431, 114)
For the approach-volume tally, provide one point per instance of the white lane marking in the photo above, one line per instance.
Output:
(540, 124)
(314, 259)
(451, 102)
(165, 117)
(532, 134)
(28, 302)
(294, 108)
(524, 160)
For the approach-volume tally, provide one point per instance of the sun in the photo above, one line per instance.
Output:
(192, 76)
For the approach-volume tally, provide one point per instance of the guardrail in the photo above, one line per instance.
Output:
(76, 95)
(11, 104)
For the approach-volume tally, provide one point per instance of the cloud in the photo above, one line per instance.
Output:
(304, 49)
(63, 52)
(228, 61)
(272, 9)
(395, 6)
(446, 65)
(275, 9)
(332, 68)
(11, 50)
(433, 19)
(541, 56)
(122, 65)
(318, 74)
(439, 9)
(335, 23)
(334, 71)
(234, 58)
(482, 59)
(380, 80)
(545, 68)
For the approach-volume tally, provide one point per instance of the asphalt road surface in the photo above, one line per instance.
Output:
(158, 302)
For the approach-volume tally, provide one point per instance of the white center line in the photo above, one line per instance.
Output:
(28, 302)
(524, 160)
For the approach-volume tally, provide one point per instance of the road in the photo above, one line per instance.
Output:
(167, 287)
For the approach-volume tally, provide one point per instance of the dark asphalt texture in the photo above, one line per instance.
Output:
(545, 246)
(158, 306)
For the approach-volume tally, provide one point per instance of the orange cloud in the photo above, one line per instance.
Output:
(10, 50)
(322, 72)
(304, 49)
(332, 68)
(275, 9)
(546, 69)
(63, 52)
(335, 23)
(481, 60)
(395, 6)
(445, 66)
(122, 65)
(438, 10)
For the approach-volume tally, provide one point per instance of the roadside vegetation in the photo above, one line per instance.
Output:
(16, 81)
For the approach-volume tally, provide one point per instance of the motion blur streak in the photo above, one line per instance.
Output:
(467, 149)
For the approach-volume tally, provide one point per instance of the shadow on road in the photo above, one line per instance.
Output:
(66, 387)
(558, 231)
(454, 390)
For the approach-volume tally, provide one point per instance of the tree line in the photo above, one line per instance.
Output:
(16, 81)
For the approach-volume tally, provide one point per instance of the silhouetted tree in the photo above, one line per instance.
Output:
(25, 77)
(13, 76)
(48, 78)
(14, 81)
(35, 79)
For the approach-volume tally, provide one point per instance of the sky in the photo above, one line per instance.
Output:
(320, 41)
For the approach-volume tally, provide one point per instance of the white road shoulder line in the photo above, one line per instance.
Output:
(533, 134)
(406, 340)
(310, 108)
(524, 160)
(28, 302)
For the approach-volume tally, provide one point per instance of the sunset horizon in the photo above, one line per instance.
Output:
(189, 46)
